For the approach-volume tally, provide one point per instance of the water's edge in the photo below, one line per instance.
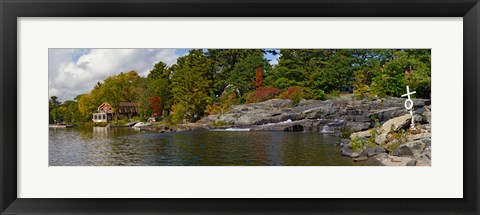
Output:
(126, 147)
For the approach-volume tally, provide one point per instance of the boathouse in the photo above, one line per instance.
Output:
(105, 111)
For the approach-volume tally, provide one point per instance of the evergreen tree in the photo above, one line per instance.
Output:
(192, 82)
(244, 73)
(225, 61)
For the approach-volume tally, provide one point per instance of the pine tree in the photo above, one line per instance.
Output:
(192, 82)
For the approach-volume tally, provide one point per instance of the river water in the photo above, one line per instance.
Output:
(126, 147)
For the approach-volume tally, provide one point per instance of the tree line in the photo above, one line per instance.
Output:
(209, 81)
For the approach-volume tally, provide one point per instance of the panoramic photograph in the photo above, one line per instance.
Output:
(239, 107)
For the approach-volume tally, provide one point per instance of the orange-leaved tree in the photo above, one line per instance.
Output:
(156, 104)
(258, 80)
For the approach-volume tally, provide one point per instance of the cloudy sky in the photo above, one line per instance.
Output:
(72, 72)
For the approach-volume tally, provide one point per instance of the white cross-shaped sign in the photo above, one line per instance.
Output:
(409, 106)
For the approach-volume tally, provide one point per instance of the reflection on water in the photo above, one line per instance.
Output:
(126, 147)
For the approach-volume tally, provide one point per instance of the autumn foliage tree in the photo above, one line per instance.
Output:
(121, 88)
(244, 72)
(258, 80)
(156, 104)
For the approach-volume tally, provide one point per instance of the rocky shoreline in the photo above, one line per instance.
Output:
(377, 129)
(393, 143)
(313, 115)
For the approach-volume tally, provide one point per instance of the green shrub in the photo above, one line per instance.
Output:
(357, 144)
(316, 94)
(345, 132)
(214, 108)
(361, 88)
(123, 121)
(333, 94)
(100, 124)
(138, 118)
(362, 143)
(243, 99)
(168, 121)
(374, 118)
(223, 103)
(320, 94)
(229, 99)
(360, 92)
(220, 124)
(180, 113)
(397, 139)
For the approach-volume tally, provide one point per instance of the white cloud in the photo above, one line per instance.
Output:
(71, 75)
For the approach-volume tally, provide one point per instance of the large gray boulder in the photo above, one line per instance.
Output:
(227, 118)
(427, 115)
(315, 113)
(423, 135)
(252, 118)
(427, 141)
(403, 151)
(372, 151)
(411, 163)
(356, 154)
(361, 134)
(342, 142)
(389, 113)
(381, 139)
(346, 151)
(413, 149)
(272, 106)
(425, 157)
(357, 126)
(396, 123)
(390, 160)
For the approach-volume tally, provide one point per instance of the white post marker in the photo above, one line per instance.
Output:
(409, 106)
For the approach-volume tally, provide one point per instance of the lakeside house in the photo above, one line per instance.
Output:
(105, 111)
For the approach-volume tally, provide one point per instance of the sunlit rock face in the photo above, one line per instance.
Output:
(314, 115)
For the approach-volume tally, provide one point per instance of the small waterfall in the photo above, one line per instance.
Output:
(327, 129)
(231, 129)
(237, 129)
(278, 123)
(333, 126)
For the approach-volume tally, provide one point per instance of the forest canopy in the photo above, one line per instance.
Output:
(208, 81)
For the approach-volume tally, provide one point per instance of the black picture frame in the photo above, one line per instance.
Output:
(10, 10)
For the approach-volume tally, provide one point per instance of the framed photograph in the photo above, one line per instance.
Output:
(157, 107)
